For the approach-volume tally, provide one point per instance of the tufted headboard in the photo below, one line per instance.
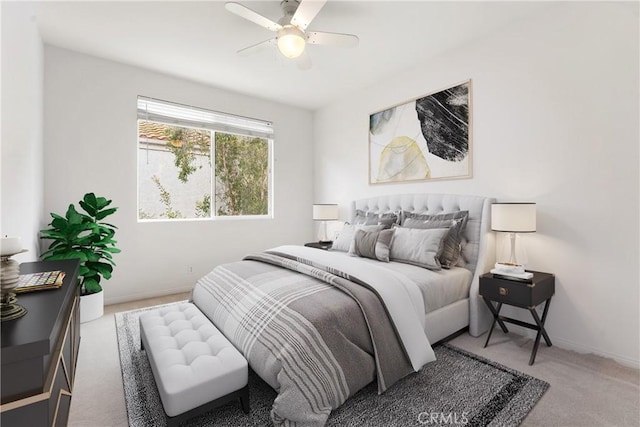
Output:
(479, 252)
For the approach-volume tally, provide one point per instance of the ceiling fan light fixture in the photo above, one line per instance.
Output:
(291, 41)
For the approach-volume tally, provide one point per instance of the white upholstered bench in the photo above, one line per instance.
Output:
(195, 367)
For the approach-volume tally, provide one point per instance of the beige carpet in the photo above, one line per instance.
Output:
(585, 390)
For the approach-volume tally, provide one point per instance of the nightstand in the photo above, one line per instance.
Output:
(319, 245)
(526, 294)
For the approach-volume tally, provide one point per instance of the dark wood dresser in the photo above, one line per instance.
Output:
(39, 351)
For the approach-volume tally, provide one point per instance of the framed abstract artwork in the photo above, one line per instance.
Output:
(427, 138)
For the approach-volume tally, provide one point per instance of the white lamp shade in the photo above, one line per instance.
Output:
(513, 217)
(325, 212)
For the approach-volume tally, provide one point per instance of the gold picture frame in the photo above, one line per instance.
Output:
(425, 139)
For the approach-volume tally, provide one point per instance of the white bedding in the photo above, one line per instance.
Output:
(438, 288)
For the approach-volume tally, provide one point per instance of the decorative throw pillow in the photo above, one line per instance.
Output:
(418, 246)
(435, 217)
(345, 238)
(455, 221)
(372, 244)
(373, 218)
(462, 260)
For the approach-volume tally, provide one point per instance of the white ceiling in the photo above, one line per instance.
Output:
(199, 40)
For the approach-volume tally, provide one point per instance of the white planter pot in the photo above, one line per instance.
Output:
(91, 307)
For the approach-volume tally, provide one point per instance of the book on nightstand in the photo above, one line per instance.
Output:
(501, 274)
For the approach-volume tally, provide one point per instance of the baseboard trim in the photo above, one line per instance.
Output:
(579, 348)
(570, 345)
(145, 295)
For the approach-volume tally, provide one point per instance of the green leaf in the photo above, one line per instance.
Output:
(88, 208)
(104, 269)
(73, 216)
(105, 213)
(73, 232)
(102, 203)
(53, 234)
(91, 285)
(91, 255)
(59, 223)
(90, 273)
(89, 203)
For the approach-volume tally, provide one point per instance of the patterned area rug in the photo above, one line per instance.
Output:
(460, 388)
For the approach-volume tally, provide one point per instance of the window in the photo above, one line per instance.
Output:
(195, 163)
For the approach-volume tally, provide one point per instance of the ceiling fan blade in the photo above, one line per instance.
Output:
(305, 13)
(255, 17)
(332, 39)
(304, 61)
(257, 47)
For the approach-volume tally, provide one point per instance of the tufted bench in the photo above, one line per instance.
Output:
(195, 367)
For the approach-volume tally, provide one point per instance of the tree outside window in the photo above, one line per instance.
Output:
(182, 175)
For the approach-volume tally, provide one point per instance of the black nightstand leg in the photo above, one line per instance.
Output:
(496, 314)
(486, 343)
(544, 319)
(541, 331)
(496, 318)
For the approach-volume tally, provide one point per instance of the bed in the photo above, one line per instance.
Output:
(318, 326)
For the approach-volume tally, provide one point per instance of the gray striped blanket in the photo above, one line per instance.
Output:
(315, 333)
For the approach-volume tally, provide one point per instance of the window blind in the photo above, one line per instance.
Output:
(185, 115)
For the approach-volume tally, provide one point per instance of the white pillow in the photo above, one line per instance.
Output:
(345, 238)
(417, 246)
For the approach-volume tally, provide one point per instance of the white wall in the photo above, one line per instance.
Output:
(555, 121)
(22, 211)
(91, 145)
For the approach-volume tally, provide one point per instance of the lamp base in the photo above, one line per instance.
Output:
(10, 274)
(11, 311)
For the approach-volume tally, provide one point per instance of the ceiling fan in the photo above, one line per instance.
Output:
(292, 34)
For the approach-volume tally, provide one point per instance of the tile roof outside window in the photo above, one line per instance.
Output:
(159, 132)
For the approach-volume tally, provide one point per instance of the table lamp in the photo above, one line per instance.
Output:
(9, 276)
(513, 218)
(324, 213)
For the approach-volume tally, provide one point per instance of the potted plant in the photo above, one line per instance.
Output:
(84, 236)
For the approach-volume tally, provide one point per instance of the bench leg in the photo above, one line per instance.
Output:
(174, 421)
(244, 400)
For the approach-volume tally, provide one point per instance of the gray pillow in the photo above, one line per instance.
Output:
(372, 244)
(418, 246)
(345, 238)
(455, 221)
(374, 218)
